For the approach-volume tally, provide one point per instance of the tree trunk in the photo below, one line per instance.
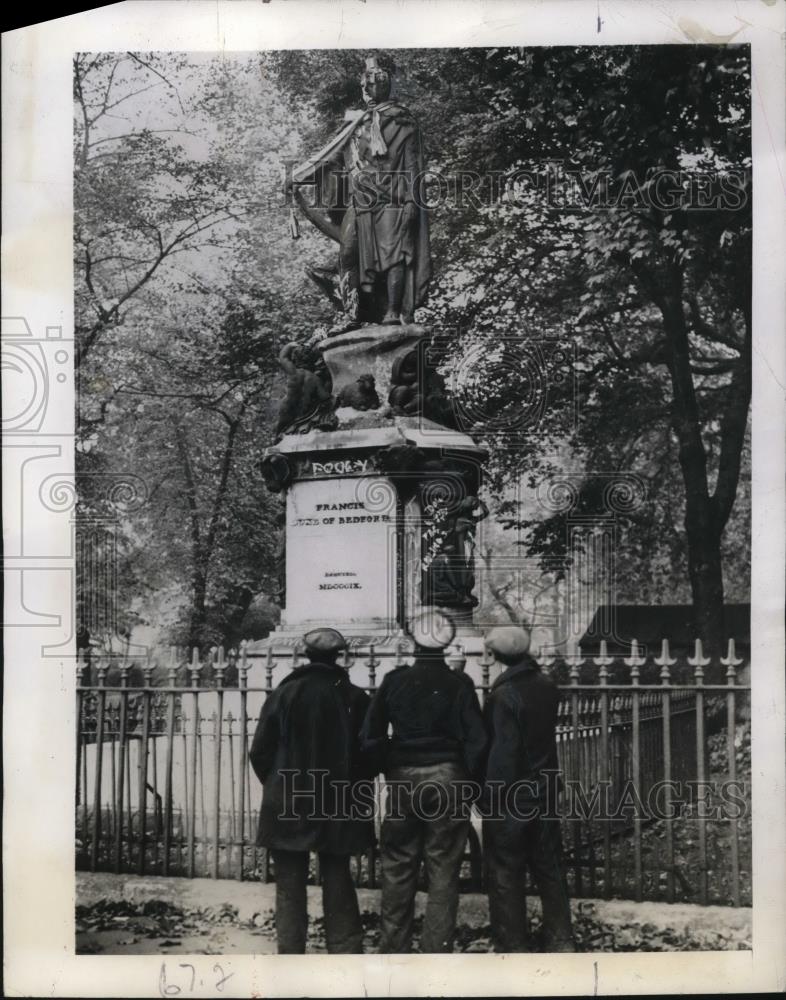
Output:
(702, 531)
(198, 616)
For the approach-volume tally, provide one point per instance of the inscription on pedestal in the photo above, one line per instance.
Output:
(341, 551)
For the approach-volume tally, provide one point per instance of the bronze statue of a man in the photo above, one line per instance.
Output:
(382, 229)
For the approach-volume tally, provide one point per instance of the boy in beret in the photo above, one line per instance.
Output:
(521, 718)
(306, 754)
(436, 750)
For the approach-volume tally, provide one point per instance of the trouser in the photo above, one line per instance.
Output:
(425, 819)
(343, 930)
(351, 281)
(511, 846)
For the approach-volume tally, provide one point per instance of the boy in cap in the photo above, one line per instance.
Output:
(521, 719)
(306, 754)
(437, 747)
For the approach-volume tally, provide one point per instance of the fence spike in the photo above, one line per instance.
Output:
(698, 659)
(456, 659)
(546, 656)
(665, 660)
(731, 658)
(195, 667)
(603, 659)
(372, 662)
(573, 656)
(635, 660)
(171, 672)
(219, 666)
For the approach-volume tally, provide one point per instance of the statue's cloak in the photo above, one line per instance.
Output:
(386, 194)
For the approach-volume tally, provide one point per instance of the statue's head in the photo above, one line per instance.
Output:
(366, 381)
(375, 82)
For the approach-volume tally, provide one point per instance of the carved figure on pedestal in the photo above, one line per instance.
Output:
(308, 402)
(417, 393)
(362, 395)
(449, 580)
(461, 525)
(382, 228)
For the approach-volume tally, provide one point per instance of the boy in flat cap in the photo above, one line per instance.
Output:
(438, 745)
(521, 719)
(306, 753)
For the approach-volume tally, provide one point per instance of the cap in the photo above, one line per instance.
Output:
(324, 640)
(432, 630)
(509, 641)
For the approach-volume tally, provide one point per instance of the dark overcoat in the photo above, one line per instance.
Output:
(316, 794)
(521, 719)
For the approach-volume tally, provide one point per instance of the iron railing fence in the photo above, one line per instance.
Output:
(164, 784)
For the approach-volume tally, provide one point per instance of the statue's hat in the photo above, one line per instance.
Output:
(372, 65)
(432, 630)
(324, 640)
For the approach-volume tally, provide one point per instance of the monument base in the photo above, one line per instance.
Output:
(369, 350)
(354, 532)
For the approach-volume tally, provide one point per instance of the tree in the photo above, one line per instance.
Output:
(650, 295)
(184, 294)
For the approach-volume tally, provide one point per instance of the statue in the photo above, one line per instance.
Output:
(384, 261)
(421, 393)
(449, 539)
(308, 402)
(361, 396)
(450, 580)
(461, 525)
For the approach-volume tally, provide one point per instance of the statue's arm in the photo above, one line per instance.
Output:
(285, 359)
(323, 224)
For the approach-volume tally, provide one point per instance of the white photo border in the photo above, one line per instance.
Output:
(38, 843)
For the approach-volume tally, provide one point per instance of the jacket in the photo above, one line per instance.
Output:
(306, 754)
(521, 717)
(435, 717)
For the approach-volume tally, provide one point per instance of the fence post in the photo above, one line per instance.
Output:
(698, 661)
(194, 671)
(634, 661)
(664, 661)
(269, 664)
(575, 660)
(101, 674)
(372, 662)
(731, 662)
(170, 741)
(147, 671)
(604, 661)
(486, 660)
(80, 792)
(121, 766)
(218, 727)
(242, 683)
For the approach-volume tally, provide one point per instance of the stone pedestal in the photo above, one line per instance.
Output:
(368, 350)
(353, 533)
